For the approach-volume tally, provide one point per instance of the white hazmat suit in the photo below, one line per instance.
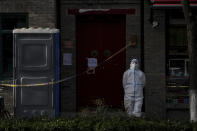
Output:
(133, 83)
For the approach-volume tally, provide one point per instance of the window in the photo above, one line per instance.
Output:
(177, 40)
(177, 63)
(178, 72)
(7, 23)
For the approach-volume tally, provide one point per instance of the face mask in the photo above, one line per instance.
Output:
(132, 66)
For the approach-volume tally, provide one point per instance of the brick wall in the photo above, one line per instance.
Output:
(42, 13)
(155, 56)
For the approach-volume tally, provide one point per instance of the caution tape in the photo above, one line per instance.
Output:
(39, 84)
(3, 83)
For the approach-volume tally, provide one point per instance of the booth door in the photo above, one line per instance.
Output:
(34, 65)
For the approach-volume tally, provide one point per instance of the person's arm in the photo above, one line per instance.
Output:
(124, 80)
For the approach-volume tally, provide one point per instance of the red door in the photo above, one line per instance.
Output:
(100, 36)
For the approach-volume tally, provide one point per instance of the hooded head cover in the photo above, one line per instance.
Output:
(134, 64)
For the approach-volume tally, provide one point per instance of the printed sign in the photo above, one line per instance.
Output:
(92, 62)
(67, 59)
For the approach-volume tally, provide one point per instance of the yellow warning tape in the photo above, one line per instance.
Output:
(62, 80)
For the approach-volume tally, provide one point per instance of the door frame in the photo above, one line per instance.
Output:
(77, 33)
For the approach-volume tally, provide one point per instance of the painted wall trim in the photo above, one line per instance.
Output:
(171, 3)
(130, 11)
(71, 2)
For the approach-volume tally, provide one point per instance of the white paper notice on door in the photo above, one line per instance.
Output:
(67, 59)
(92, 62)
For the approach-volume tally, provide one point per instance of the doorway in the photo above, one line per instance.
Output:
(99, 37)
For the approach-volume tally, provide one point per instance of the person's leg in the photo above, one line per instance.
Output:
(138, 107)
(129, 106)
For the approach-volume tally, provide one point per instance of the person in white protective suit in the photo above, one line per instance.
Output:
(133, 83)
